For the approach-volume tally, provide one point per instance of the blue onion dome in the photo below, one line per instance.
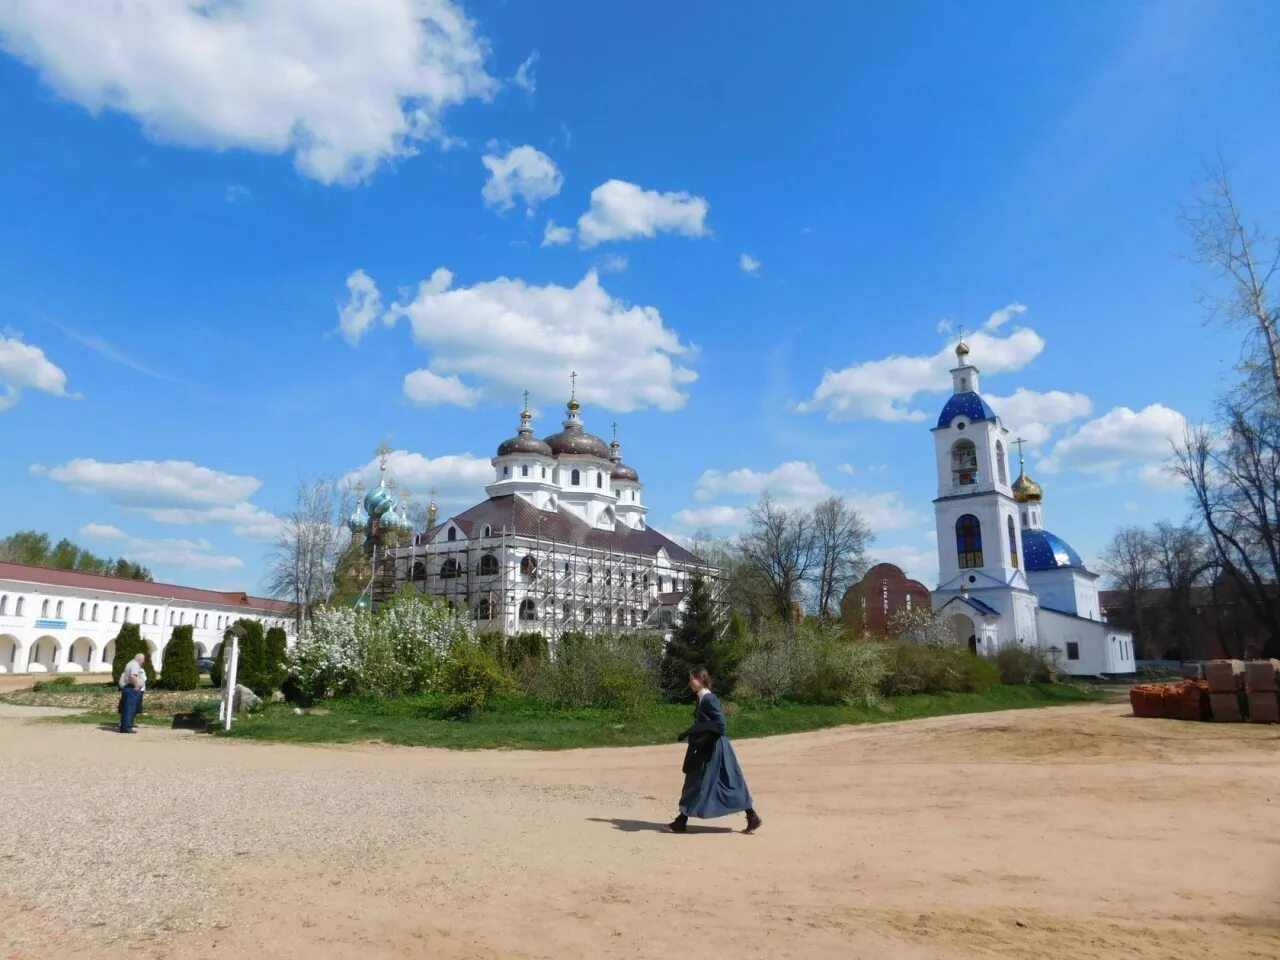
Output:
(379, 500)
(966, 404)
(574, 440)
(1042, 550)
(359, 519)
(524, 441)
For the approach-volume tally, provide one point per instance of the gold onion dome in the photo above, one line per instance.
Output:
(962, 349)
(1026, 490)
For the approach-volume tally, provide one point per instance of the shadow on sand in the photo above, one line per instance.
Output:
(639, 826)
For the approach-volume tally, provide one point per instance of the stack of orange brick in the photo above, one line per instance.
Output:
(1262, 687)
(1173, 701)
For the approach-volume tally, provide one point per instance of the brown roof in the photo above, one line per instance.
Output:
(517, 515)
(76, 580)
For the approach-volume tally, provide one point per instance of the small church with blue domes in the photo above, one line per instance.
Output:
(1003, 579)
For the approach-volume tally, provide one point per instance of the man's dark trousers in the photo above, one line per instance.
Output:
(131, 701)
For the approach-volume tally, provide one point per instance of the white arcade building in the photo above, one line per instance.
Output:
(64, 621)
(1004, 579)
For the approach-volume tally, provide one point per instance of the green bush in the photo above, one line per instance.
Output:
(468, 677)
(129, 644)
(180, 671)
(916, 668)
(254, 669)
(815, 663)
(523, 648)
(1021, 665)
(277, 655)
(57, 683)
(220, 662)
(619, 671)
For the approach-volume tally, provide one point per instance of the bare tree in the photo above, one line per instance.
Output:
(840, 541)
(779, 548)
(1129, 562)
(311, 542)
(1247, 258)
(1181, 558)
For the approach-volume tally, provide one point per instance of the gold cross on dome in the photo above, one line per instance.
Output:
(573, 384)
(1018, 443)
(526, 400)
(383, 452)
(615, 430)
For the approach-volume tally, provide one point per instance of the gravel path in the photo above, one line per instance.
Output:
(1070, 833)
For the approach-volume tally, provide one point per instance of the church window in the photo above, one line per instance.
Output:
(524, 470)
(529, 566)
(170, 618)
(488, 565)
(528, 609)
(115, 614)
(964, 383)
(964, 463)
(1013, 542)
(1004, 477)
(419, 571)
(599, 479)
(144, 616)
(449, 569)
(608, 576)
(591, 575)
(452, 535)
(81, 617)
(575, 478)
(506, 471)
(488, 530)
(1073, 650)
(17, 608)
(58, 612)
(969, 541)
(1024, 518)
(44, 609)
(544, 473)
(484, 609)
(95, 613)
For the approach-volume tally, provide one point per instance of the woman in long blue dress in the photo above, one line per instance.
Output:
(713, 782)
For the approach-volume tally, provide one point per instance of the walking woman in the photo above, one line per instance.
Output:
(713, 782)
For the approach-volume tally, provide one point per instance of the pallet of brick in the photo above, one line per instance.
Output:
(1227, 707)
(1188, 700)
(1147, 700)
(1224, 676)
(1262, 676)
(1264, 707)
(1192, 671)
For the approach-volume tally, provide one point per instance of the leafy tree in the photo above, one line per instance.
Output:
(694, 642)
(180, 671)
(129, 644)
(28, 546)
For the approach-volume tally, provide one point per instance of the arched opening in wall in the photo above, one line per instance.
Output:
(600, 480)
(8, 654)
(528, 610)
(449, 569)
(108, 654)
(215, 652)
(452, 535)
(43, 655)
(1000, 468)
(963, 632)
(575, 478)
(484, 608)
(419, 570)
(969, 541)
(489, 565)
(488, 530)
(80, 656)
(1013, 542)
(524, 469)
(4, 605)
(157, 657)
(529, 566)
(202, 650)
(964, 463)
(609, 516)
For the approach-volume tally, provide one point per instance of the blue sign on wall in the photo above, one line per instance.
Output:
(51, 624)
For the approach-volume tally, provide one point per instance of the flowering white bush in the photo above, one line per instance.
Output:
(392, 652)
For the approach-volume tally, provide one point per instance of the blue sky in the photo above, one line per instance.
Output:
(241, 248)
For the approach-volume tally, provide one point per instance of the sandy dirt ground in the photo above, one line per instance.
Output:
(1063, 834)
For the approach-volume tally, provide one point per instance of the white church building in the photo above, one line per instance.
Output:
(1004, 580)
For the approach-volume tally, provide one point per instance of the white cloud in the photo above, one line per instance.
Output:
(429, 389)
(507, 335)
(624, 211)
(457, 478)
(343, 87)
(1032, 415)
(244, 519)
(25, 367)
(613, 263)
(152, 483)
(883, 510)
(714, 517)
(749, 264)
(363, 307)
(884, 389)
(918, 563)
(555, 236)
(236, 193)
(523, 173)
(795, 483)
(524, 78)
(1002, 316)
(1119, 440)
(848, 468)
(943, 326)
(102, 531)
(178, 552)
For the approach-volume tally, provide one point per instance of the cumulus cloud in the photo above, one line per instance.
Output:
(457, 478)
(524, 78)
(712, 518)
(796, 483)
(749, 264)
(556, 236)
(1032, 415)
(1121, 440)
(613, 263)
(363, 307)
(623, 211)
(1002, 316)
(102, 531)
(918, 563)
(25, 367)
(343, 87)
(245, 519)
(521, 173)
(428, 389)
(507, 335)
(884, 389)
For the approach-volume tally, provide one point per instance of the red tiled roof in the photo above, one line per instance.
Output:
(76, 580)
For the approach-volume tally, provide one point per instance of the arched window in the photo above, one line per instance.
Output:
(419, 571)
(115, 614)
(608, 576)
(489, 565)
(182, 617)
(171, 618)
(622, 617)
(204, 622)
(566, 610)
(1013, 543)
(452, 535)
(588, 615)
(4, 605)
(44, 608)
(81, 617)
(528, 610)
(591, 575)
(964, 463)
(488, 530)
(599, 479)
(544, 473)
(1000, 471)
(449, 569)
(17, 608)
(506, 471)
(126, 614)
(145, 615)
(969, 541)
(575, 478)
(95, 613)
(484, 608)
(524, 469)
(634, 616)
(58, 611)
(529, 566)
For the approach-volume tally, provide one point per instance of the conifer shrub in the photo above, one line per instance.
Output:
(180, 671)
(277, 655)
(255, 670)
(129, 644)
(693, 644)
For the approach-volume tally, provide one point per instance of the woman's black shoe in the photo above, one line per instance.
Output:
(679, 824)
(753, 822)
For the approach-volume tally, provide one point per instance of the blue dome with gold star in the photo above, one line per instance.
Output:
(967, 404)
(1042, 550)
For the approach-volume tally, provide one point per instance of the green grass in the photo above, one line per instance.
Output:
(523, 723)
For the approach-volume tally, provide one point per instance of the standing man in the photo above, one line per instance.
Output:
(133, 681)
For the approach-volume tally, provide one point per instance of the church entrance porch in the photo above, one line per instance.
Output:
(963, 631)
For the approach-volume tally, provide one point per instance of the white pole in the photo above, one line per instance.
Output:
(229, 702)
